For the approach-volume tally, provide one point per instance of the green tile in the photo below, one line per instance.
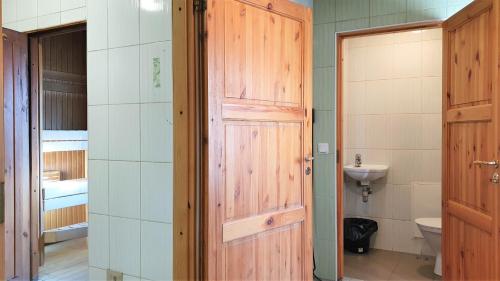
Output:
(324, 219)
(324, 253)
(324, 45)
(324, 88)
(387, 7)
(352, 25)
(352, 9)
(324, 128)
(425, 4)
(324, 175)
(388, 20)
(428, 14)
(324, 11)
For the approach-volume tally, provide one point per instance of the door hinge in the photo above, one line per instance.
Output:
(313, 115)
(200, 6)
(337, 156)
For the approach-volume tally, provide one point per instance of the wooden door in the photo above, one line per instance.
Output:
(471, 134)
(259, 121)
(17, 156)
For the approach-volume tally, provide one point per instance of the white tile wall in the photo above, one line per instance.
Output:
(31, 15)
(124, 75)
(125, 245)
(123, 23)
(97, 119)
(156, 191)
(392, 104)
(98, 177)
(97, 73)
(98, 241)
(130, 68)
(124, 132)
(156, 251)
(125, 189)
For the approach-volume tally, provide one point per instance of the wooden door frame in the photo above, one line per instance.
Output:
(341, 36)
(186, 100)
(2, 157)
(35, 65)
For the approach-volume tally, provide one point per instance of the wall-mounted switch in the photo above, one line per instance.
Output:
(323, 148)
(114, 276)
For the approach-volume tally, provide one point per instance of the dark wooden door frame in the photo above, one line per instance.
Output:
(339, 115)
(37, 244)
(35, 64)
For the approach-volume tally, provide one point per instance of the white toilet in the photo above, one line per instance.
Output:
(431, 230)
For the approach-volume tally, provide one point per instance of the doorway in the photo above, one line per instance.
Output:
(389, 122)
(63, 145)
(45, 120)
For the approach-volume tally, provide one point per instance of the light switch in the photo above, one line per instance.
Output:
(323, 148)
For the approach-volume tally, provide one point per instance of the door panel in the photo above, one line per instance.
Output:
(17, 153)
(258, 195)
(471, 127)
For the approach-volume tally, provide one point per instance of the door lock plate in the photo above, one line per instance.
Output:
(495, 178)
(308, 171)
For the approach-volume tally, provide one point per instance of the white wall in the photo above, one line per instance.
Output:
(130, 127)
(392, 113)
(29, 15)
(130, 138)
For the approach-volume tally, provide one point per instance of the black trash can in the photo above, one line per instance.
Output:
(357, 233)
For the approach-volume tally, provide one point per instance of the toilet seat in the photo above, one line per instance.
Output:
(430, 224)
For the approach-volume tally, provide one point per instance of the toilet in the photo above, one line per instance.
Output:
(431, 230)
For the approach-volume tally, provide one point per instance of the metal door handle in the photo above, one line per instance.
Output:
(309, 158)
(486, 163)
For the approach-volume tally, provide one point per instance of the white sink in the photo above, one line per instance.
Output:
(366, 173)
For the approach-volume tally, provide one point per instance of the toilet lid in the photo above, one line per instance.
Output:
(433, 224)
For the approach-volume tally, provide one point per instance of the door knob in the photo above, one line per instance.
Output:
(493, 163)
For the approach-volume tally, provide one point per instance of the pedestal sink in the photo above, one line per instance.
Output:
(364, 174)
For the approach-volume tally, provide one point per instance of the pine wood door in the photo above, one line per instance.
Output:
(471, 133)
(17, 156)
(259, 129)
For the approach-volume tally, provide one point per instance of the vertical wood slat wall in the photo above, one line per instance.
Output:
(65, 108)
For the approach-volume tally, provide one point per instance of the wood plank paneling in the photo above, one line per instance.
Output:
(64, 81)
(71, 164)
(471, 133)
(17, 149)
(65, 216)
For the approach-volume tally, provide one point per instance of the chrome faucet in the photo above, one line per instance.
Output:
(357, 162)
